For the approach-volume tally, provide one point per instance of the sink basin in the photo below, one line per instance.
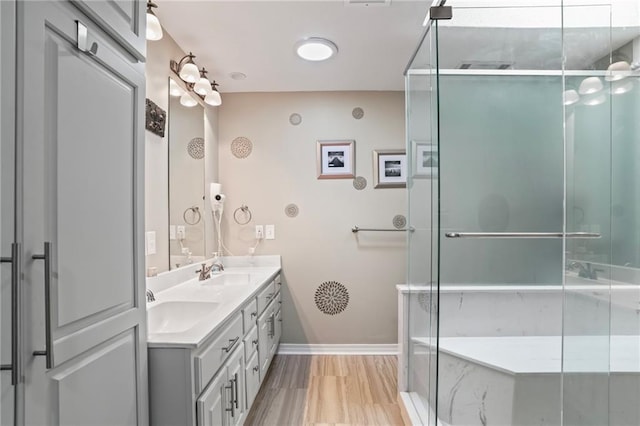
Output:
(176, 317)
(231, 279)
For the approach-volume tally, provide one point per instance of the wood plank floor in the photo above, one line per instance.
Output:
(314, 390)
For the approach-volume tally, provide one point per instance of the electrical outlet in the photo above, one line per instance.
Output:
(259, 232)
(151, 242)
(181, 232)
(270, 232)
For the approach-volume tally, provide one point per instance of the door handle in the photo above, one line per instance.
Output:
(48, 352)
(15, 311)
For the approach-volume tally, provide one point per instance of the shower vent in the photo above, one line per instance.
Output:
(485, 65)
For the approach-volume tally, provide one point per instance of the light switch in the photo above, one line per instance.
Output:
(150, 246)
(259, 232)
(270, 232)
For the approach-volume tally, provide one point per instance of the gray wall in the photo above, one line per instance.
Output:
(318, 245)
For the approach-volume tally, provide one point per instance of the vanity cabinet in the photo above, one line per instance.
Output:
(216, 382)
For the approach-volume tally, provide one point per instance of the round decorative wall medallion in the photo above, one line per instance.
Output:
(359, 183)
(357, 113)
(291, 210)
(331, 297)
(295, 119)
(399, 221)
(195, 148)
(241, 147)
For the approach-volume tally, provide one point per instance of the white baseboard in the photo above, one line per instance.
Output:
(307, 349)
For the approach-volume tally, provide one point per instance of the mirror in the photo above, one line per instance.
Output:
(186, 181)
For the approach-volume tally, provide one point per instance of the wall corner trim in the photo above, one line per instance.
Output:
(348, 349)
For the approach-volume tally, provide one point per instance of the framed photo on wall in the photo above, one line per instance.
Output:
(336, 159)
(390, 168)
(426, 160)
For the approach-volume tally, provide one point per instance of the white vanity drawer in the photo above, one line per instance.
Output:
(265, 296)
(213, 356)
(252, 378)
(251, 343)
(250, 315)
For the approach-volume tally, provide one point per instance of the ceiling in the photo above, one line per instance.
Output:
(257, 38)
(376, 41)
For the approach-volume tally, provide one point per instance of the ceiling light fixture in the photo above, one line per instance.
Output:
(154, 29)
(316, 49)
(199, 84)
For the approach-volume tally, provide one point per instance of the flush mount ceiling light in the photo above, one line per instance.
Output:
(154, 29)
(316, 49)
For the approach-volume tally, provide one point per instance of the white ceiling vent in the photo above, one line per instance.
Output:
(367, 2)
(485, 65)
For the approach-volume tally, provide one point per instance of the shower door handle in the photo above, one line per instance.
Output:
(534, 235)
(48, 352)
(15, 311)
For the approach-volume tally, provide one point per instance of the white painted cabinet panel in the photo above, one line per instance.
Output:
(211, 405)
(124, 19)
(82, 192)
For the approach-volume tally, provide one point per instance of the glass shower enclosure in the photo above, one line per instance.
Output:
(523, 140)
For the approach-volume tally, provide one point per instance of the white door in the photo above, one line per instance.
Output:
(10, 391)
(82, 205)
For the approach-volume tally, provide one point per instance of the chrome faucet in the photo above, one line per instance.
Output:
(205, 272)
(150, 296)
(217, 267)
(585, 271)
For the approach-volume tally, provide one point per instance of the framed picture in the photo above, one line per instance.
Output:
(390, 168)
(426, 159)
(336, 159)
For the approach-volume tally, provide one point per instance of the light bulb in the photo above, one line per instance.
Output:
(618, 71)
(590, 85)
(202, 87)
(187, 101)
(213, 98)
(190, 72)
(154, 29)
(174, 89)
(571, 97)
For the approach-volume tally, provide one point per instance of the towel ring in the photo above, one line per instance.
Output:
(247, 215)
(196, 215)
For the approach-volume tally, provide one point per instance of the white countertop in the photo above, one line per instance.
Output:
(229, 290)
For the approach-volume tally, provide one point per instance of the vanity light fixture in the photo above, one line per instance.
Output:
(154, 29)
(203, 86)
(174, 89)
(197, 83)
(213, 98)
(316, 49)
(590, 85)
(618, 71)
(571, 97)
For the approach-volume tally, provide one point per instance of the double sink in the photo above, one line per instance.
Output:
(187, 313)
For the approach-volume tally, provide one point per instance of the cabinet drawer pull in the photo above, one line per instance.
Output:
(235, 391)
(254, 342)
(254, 314)
(232, 343)
(232, 409)
(256, 368)
(48, 352)
(269, 296)
(15, 310)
